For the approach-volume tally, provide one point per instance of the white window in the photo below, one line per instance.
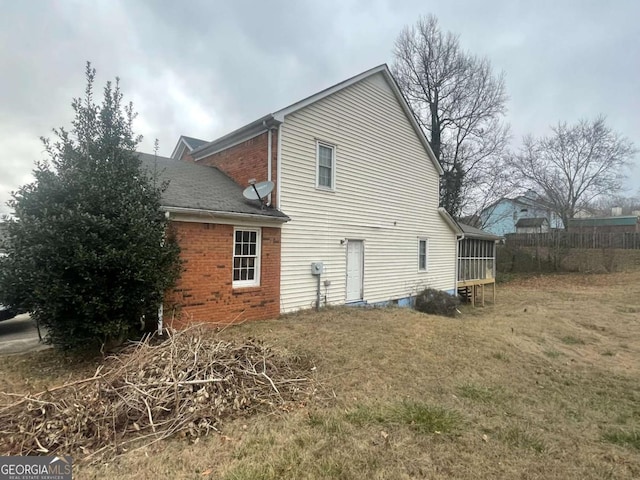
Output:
(246, 257)
(326, 166)
(423, 248)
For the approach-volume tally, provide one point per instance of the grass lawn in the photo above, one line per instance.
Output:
(544, 385)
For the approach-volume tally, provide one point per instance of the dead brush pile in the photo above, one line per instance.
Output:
(185, 385)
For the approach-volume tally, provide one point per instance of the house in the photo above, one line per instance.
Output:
(501, 217)
(356, 196)
(532, 225)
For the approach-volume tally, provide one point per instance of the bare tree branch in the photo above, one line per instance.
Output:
(575, 165)
(460, 104)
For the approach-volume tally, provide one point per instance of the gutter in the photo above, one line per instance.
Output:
(227, 215)
(237, 136)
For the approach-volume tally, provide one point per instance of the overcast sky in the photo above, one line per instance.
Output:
(204, 68)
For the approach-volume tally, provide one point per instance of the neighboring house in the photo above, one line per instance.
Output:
(501, 217)
(356, 188)
(532, 225)
(623, 224)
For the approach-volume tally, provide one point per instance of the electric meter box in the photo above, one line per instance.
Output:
(317, 268)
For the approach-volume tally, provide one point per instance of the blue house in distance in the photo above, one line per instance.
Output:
(501, 217)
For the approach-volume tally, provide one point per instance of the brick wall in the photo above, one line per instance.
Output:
(186, 156)
(204, 292)
(246, 160)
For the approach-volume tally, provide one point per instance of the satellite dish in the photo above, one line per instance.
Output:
(257, 191)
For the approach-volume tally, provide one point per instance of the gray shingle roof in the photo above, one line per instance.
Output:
(473, 232)
(194, 142)
(531, 222)
(203, 188)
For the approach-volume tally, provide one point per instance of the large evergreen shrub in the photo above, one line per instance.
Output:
(88, 250)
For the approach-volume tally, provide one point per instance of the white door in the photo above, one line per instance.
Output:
(355, 270)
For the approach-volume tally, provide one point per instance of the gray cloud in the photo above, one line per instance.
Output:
(203, 68)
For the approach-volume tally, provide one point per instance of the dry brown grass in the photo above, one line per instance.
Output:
(545, 385)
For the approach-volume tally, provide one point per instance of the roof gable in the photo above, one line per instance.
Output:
(278, 117)
(186, 143)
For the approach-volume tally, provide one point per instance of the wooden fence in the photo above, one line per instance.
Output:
(563, 239)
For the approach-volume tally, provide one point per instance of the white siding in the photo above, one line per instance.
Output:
(386, 194)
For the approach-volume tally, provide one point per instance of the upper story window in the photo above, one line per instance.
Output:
(326, 166)
(423, 246)
(246, 257)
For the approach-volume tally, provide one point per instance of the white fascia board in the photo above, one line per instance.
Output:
(262, 124)
(412, 119)
(281, 114)
(210, 216)
(450, 221)
(181, 144)
(239, 135)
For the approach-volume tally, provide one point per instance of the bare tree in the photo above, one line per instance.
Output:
(574, 165)
(605, 204)
(459, 104)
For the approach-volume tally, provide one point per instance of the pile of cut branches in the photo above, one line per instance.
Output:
(185, 385)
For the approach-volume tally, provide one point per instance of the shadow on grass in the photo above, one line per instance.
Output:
(520, 438)
(418, 416)
(625, 439)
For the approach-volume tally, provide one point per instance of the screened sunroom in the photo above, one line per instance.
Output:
(476, 263)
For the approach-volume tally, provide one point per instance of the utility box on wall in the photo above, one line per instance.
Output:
(317, 268)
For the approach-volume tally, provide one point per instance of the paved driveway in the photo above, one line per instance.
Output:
(19, 335)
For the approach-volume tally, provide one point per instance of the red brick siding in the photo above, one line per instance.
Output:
(247, 160)
(186, 156)
(204, 292)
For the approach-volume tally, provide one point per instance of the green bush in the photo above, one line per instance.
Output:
(89, 253)
(437, 302)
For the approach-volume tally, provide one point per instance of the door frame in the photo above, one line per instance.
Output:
(346, 271)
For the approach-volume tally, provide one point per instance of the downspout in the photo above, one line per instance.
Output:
(279, 168)
(167, 215)
(269, 160)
